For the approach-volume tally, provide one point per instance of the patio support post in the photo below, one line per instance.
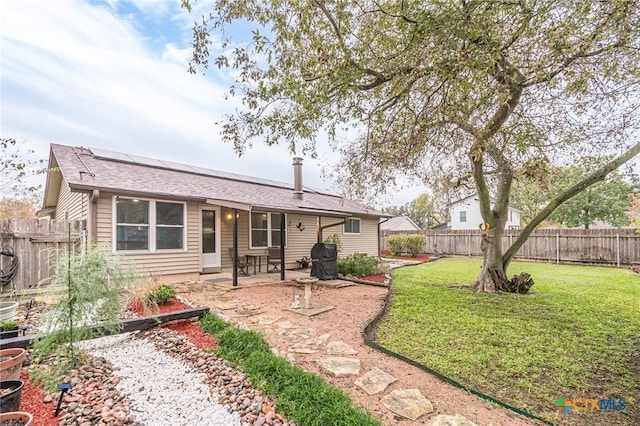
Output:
(235, 247)
(319, 229)
(282, 244)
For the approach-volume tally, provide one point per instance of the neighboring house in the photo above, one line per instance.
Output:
(398, 223)
(465, 214)
(178, 221)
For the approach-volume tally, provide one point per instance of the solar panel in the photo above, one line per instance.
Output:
(170, 165)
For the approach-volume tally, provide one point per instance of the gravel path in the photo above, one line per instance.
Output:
(161, 390)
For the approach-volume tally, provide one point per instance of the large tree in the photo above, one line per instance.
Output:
(464, 91)
(426, 210)
(607, 201)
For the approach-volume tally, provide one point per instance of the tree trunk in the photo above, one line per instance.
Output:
(492, 276)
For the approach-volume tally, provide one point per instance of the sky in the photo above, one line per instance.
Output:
(113, 74)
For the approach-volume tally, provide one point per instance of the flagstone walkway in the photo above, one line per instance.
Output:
(331, 344)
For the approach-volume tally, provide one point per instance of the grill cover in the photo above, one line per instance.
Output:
(325, 261)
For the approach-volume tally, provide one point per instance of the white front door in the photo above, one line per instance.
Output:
(210, 227)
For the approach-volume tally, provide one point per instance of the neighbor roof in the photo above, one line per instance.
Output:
(85, 169)
(399, 223)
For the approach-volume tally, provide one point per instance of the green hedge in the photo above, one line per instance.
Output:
(357, 265)
(406, 243)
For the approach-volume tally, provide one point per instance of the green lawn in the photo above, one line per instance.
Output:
(573, 336)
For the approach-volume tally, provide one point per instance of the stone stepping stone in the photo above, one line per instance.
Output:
(446, 420)
(409, 403)
(303, 350)
(286, 325)
(375, 381)
(340, 367)
(225, 306)
(317, 341)
(268, 319)
(310, 346)
(304, 332)
(339, 348)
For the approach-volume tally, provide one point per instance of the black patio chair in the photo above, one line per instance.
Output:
(243, 265)
(273, 259)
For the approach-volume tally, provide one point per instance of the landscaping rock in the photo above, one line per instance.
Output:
(446, 420)
(375, 381)
(339, 348)
(340, 367)
(409, 403)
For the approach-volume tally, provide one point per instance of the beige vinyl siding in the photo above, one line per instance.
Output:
(157, 263)
(71, 205)
(365, 242)
(299, 243)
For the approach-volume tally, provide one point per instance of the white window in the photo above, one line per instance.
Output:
(264, 229)
(352, 225)
(148, 225)
(463, 216)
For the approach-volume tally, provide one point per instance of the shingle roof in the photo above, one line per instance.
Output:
(86, 169)
(399, 223)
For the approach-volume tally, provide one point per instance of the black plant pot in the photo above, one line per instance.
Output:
(9, 333)
(10, 401)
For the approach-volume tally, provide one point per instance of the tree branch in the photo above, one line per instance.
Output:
(595, 177)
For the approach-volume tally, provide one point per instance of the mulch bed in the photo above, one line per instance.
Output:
(188, 328)
(32, 397)
(374, 278)
(32, 400)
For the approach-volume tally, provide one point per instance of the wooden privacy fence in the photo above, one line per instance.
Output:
(593, 246)
(37, 244)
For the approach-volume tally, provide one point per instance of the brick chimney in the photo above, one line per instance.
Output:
(298, 193)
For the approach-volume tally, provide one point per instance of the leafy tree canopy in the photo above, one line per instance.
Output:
(607, 201)
(425, 210)
(465, 92)
(16, 167)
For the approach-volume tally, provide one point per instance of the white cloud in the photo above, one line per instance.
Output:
(77, 73)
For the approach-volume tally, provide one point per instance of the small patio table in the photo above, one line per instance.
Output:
(252, 258)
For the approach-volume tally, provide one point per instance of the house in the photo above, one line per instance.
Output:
(398, 223)
(465, 214)
(181, 221)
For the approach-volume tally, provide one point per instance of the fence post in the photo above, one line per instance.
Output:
(469, 244)
(557, 247)
(435, 243)
(618, 250)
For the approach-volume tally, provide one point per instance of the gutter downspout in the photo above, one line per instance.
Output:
(322, 228)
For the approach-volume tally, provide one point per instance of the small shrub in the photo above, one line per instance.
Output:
(357, 264)
(397, 243)
(161, 295)
(415, 244)
(9, 325)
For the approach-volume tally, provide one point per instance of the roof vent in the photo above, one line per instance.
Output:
(298, 193)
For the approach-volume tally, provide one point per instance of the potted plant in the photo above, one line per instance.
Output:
(10, 392)
(11, 363)
(8, 310)
(9, 329)
(17, 417)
